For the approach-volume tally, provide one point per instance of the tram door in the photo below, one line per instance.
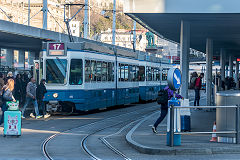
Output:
(37, 71)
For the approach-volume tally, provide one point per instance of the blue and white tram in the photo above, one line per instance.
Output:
(79, 79)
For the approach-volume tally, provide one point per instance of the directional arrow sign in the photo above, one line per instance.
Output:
(174, 78)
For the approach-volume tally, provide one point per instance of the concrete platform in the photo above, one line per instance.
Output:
(145, 141)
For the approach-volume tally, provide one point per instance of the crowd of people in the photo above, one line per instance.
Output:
(23, 90)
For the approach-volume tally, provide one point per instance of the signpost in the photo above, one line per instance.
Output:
(174, 80)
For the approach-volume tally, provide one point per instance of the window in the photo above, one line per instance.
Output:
(141, 73)
(130, 74)
(119, 72)
(137, 73)
(99, 71)
(126, 75)
(56, 71)
(158, 75)
(76, 72)
(104, 71)
(149, 74)
(110, 70)
(87, 71)
(93, 71)
(164, 74)
(122, 72)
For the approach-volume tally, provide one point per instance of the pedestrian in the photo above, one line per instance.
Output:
(198, 86)
(41, 90)
(7, 96)
(31, 98)
(9, 76)
(1, 81)
(193, 80)
(25, 81)
(164, 106)
(18, 88)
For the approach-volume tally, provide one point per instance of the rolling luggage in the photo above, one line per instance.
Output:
(12, 120)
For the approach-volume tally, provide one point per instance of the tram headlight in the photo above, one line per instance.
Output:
(55, 95)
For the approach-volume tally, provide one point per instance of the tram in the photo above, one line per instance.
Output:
(83, 77)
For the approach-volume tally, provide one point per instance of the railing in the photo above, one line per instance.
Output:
(236, 131)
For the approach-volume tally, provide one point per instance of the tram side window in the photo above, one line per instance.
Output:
(119, 72)
(141, 73)
(126, 75)
(164, 74)
(76, 72)
(93, 71)
(122, 72)
(87, 71)
(149, 74)
(133, 73)
(130, 73)
(153, 75)
(158, 74)
(104, 71)
(110, 70)
(99, 71)
(137, 74)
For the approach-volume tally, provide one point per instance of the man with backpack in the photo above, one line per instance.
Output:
(163, 96)
(198, 86)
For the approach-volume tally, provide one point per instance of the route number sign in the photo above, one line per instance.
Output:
(56, 49)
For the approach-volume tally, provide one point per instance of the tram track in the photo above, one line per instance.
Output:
(84, 140)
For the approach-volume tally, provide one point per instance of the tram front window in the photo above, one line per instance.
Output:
(56, 71)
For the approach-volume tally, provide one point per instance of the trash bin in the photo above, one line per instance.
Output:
(226, 117)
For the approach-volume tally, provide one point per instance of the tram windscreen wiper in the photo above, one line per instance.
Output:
(64, 67)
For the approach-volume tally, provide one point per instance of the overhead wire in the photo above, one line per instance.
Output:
(6, 14)
(32, 16)
(56, 21)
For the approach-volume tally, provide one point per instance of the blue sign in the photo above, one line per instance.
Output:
(174, 78)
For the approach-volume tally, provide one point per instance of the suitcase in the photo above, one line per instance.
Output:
(185, 123)
(12, 123)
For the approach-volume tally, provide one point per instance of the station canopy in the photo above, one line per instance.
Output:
(215, 19)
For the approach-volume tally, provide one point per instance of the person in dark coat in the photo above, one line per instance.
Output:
(18, 88)
(164, 108)
(41, 90)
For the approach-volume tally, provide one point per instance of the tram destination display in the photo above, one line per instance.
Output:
(56, 49)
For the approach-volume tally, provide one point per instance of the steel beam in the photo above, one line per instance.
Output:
(184, 56)
(209, 57)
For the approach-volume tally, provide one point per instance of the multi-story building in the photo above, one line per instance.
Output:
(124, 38)
(75, 28)
(17, 11)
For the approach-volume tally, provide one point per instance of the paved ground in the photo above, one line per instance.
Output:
(28, 146)
(145, 141)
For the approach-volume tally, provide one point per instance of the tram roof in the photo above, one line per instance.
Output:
(110, 49)
(215, 19)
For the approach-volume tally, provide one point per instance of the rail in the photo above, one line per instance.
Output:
(172, 132)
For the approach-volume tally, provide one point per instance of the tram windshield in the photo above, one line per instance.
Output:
(56, 71)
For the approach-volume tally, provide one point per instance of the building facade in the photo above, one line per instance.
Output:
(17, 11)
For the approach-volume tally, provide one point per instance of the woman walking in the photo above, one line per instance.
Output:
(7, 96)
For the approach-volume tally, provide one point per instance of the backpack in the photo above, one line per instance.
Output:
(162, 97)
(198, 83)
(192, 82)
